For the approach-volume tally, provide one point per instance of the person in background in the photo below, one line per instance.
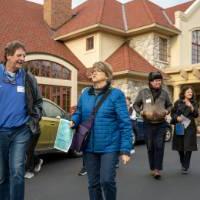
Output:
(33, 162)
(185, 106)
(21, 110)
(133, 117)
(110, 135)
(153, 104)
(83, 170)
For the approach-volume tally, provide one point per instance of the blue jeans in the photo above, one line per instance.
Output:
(13, 145)
(101, 175)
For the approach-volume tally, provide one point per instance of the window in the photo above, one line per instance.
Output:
(48, 69)
(163, 49)
(58, 94)
(51, 110)
(196, 47)
(89, 43)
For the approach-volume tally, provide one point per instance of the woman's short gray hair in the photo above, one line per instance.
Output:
(104, 67)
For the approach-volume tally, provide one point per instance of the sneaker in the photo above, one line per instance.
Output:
(83, 172)
(132, 151)
(38, 166)
(29, 175)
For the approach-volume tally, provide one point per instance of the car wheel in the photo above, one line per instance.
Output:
(168, 135)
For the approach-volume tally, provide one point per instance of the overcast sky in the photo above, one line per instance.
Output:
(163, 3)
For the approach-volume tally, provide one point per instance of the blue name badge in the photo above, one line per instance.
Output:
(179, 129)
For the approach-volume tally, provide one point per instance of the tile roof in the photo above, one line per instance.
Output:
(181, 7)
(136, 14)
(143, 12)
(23, 20)
(94, 12)
(125, 58)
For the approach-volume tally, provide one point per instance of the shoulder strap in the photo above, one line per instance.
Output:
(105, 95)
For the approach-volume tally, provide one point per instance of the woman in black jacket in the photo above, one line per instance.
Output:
(185, 106)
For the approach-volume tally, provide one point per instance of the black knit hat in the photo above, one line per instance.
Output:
(154, 75)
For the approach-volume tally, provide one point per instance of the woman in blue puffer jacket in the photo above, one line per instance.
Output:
(111, 133)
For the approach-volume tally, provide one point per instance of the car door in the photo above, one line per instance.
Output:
(49, 124)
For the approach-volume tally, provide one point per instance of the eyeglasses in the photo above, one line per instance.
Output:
(96, 71)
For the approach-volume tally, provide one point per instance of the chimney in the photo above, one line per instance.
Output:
(57, 12)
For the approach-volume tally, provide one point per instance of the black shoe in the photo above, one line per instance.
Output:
(184, 171)
(83, 172)
(157, 175)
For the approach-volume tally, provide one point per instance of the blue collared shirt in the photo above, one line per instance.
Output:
(13, 107)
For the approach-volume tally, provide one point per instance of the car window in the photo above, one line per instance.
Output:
(50, 110)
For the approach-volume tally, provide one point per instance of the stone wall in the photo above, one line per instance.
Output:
(156, 62)
(147, 45)
(130, 87)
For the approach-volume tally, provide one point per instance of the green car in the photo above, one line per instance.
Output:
(52, 114)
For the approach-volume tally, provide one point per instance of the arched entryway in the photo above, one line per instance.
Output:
(57, 79)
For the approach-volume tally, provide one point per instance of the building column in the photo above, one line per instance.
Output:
(176, 92)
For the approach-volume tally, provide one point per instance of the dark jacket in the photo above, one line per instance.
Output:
(145, 102)
(34, 102)
(188, 142)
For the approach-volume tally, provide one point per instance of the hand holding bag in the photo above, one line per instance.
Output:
(179, 129)
(82, 132)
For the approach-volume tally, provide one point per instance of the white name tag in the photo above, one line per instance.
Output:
(20, 89)
(148, 100)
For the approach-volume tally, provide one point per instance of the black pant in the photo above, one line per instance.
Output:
(83, 166)
(135, 127)
(185, 157)
(155, 141)
(32, 160)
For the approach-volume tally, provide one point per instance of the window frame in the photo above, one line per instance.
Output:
(195, 47)
(48, 69)
(89, 43)
(163, 49)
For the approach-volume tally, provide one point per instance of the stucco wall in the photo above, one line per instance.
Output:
(109, 44)
(104, 45)
(181, 47)
(78, 47)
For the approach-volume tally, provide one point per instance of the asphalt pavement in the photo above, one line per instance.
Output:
(58, 179)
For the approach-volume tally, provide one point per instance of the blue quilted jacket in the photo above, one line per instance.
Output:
(112, 129)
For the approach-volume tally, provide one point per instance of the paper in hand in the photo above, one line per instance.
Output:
(185, 121)
(64, 136)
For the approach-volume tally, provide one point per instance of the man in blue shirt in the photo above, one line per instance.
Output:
(21, 110)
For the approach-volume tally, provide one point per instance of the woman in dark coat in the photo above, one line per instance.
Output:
(187, 107)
